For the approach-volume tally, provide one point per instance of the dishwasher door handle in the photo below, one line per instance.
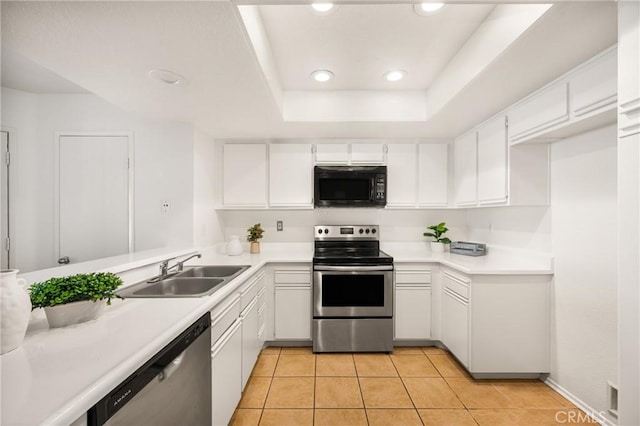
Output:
(172, 367)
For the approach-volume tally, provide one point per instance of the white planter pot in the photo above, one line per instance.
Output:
(15, 310)
(73, 313)
(437, 247)
(234, 246)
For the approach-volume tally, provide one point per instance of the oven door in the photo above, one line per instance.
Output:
(352, 291)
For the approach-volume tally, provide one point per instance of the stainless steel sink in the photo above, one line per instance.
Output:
(213, 271)
(194, 281)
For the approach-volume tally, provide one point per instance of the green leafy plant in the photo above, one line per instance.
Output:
(75, 288)
(438, 232)
(254, 233)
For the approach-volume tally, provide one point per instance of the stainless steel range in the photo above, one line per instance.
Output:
(352, 290)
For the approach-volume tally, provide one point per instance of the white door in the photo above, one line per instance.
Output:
(245, 175)
(290, 175)
(402, 175)
(4, 190)
(93, 197)
(492, 162)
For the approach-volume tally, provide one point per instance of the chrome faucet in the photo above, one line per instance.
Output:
(165, 268)
(181, 263)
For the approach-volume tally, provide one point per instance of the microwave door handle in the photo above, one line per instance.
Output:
(352, 268)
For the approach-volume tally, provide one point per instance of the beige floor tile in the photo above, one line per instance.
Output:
(433, 350)
(531, 394)
(291, 392)
(431, 392)
(384, 393)
(296, 365)
(255, 393)
(297, 350)
(414, 366)
(446, 366)
(340, 417)
(374, 365)
(246, 417)
(270, 350)
(338, 392)
(479, 394)
(447, 417)
(287, 418)
(335, 365)
(407, 350)
(265, 366)
(393, 417)
(530, 417)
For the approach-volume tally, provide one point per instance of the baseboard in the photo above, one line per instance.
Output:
(598, 416)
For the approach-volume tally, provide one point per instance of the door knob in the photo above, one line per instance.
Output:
(64, 260)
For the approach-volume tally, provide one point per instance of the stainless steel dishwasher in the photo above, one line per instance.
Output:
(172, 388)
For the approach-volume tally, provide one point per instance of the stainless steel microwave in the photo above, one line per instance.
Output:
(346, 186)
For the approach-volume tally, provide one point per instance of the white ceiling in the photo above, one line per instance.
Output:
(108, 48)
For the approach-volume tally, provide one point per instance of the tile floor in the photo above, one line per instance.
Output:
(412, 386)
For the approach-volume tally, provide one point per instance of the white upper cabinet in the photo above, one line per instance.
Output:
(629, 67)
(402, 175)
(244, 175)
(542, 111)
(594, 87)
(290, 175)
(367, 153)
(492, 161)
(332, 153)
(433, 173)
(465, 155)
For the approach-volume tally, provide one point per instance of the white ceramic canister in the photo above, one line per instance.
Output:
(234, 246)
(15, 310)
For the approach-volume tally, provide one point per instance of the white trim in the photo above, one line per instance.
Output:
(595, 415)
(56, 177)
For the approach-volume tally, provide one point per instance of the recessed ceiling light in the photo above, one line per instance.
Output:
(395, 75)
(322, 75)
(322, 7)
(427, 8)
(168, 77)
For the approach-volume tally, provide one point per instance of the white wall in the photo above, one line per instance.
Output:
(163, 164)
(584, 222)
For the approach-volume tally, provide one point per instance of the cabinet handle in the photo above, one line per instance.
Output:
(217, 347)
(455, 296)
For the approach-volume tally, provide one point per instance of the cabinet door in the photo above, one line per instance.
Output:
(290, 175)
(432, 175)
(332, 153)
(401, 175)
(455, 325)
(492, 162)
(465, 152)
(369, 153)
(412, 312)
(540, 112)
(249, 339)
(244, 175)
(594, 88)
(226, 375)
(293, 312)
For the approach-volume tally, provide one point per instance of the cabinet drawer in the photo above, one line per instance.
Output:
(293, 277)
(223, 316)
(413, 277)
(261, 296)
(455, 283)
(248, 292)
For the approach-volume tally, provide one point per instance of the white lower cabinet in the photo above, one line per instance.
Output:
(455, 316)
(292, 302)
(226, 374)
(250, 349)
(412, 310)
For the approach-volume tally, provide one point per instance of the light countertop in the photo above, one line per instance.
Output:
(58, 374)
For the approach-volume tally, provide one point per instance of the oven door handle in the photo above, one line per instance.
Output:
(353, 268)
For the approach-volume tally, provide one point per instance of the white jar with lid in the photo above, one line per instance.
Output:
(234, 246)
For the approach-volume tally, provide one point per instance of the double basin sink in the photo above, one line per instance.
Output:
(193, 281)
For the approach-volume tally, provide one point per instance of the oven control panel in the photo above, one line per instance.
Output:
(346, 232)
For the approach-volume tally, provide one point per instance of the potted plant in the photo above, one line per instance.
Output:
(75, 298)
(437, 232)
(253, 235)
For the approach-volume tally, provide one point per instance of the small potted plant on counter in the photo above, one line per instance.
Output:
(437, 232)
(76, 298)
(253, 236)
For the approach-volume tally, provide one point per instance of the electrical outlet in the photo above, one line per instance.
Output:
(279, 226)
(164, 206)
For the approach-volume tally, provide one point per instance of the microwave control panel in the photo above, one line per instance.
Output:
(381, 187)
